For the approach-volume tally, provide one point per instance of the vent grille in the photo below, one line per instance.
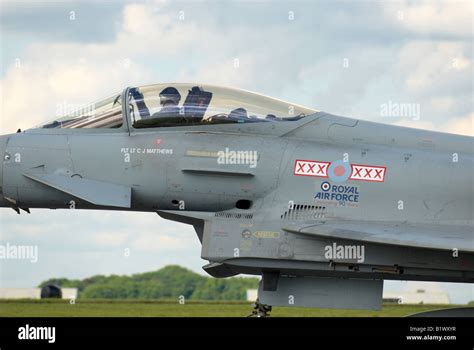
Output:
(304, 212)
(236, 216)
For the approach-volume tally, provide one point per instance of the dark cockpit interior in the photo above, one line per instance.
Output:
(195, 110)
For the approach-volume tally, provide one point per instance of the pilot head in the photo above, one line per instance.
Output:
(169, 97)
(238, 113)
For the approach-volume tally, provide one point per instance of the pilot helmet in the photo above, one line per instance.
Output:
(169, 95)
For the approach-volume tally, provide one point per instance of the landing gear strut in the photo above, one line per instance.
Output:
(260, 310)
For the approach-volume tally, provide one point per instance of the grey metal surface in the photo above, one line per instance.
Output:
(431, 236)
(94, 192)
(327, 293)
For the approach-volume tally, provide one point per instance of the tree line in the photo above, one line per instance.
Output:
(170, 282)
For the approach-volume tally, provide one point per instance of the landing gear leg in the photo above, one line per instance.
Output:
(260, 310)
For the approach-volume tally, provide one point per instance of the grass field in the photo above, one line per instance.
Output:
(127, 308)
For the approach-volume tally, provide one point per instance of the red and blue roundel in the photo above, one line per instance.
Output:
(325, 186)
(339, 171)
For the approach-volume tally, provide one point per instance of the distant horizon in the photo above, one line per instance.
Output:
(411, 286)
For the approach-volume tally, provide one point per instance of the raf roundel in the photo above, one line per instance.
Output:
(339, 171)
(325, 186)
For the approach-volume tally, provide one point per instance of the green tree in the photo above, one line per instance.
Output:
(169, 282)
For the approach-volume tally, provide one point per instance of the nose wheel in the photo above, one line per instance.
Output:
(260, 310)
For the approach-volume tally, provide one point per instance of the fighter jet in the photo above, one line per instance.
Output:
(324, 208)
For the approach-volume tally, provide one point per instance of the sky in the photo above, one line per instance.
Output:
(351, 58)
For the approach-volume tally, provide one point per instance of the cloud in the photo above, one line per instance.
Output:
(78, 244)
(462, 126)
(110, 238)
(428, 17)
(435, 67)
(83, 21)
(162, 243)
(152, 43)
(60, 73)
(88, 231)
(32, 92)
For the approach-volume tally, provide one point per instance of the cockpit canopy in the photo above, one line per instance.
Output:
(106, 113)
(166, 105)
